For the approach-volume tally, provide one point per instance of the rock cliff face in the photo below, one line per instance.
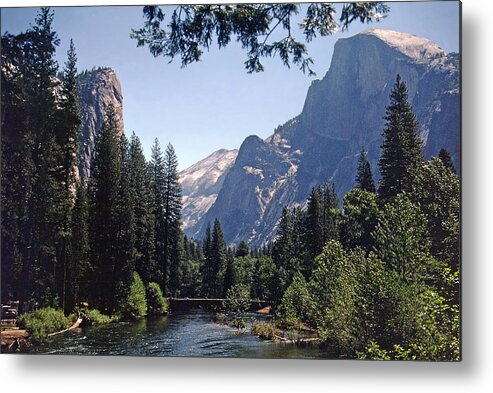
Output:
(342, 113)
(201, 183)
(97, 90)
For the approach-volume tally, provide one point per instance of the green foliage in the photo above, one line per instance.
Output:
(190, 277)
(39, 138)
(402, 240)
(142, 200)
(158, 185)
(364, 177)
(436, 333)
(230, 277)
(437, 192)
(446, 159)
(95, 317)
(238, 303)
(192, 29)
(135, 305)
(286, 252)
(359, 219)
(265, 283)
(42, 322)
(297, 302)
(172, 235)
(215, 261)
(401, 148)
(78, 272)
(242, 250)
(321, 223)
(111, 223)
(334, 286)
(157, 303)
(238, 299)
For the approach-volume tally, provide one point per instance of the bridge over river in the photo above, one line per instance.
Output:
(183, 304)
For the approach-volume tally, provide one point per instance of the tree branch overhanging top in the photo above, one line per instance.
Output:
(189, 30)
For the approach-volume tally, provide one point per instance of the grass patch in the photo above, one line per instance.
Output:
(266, 330)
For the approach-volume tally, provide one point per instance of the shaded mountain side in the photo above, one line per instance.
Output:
(97, 90)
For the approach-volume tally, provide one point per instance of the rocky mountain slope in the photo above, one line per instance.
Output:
(342, 113)
(97, 90)
(201, 183)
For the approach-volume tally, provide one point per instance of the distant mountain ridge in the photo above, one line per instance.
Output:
(201, 183)
(343, 112)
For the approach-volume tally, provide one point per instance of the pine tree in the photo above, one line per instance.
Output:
(141, 194)
(401, 148)
(314, 226)
(17, 174)
(104, 211)
(364, 177)
(79, 271)
(46, 227)
(67, 137)
(242, 250)
(330, 213)
(124, 241)
(217, 258)
(283, 246)
(444, 155)
(158, 179)
(230, 278)
(172, 234)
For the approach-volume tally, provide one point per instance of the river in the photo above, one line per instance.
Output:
(191, 333)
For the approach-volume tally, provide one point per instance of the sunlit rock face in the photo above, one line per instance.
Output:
(201, 183)
(97, 90)
(343, 112)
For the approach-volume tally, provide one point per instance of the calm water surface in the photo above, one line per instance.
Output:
(191, 333)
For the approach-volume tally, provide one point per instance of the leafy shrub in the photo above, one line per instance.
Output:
(42, 322)
(296, 302)
(238, 299)
(97, 318)
(135, 305)
(156, 302)
(237, 303)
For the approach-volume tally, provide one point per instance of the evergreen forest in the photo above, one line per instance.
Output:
(375, 275)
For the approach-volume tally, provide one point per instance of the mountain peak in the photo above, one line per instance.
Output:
(201, 183)
(420, 49)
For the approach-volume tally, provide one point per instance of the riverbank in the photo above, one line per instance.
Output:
(14, 339)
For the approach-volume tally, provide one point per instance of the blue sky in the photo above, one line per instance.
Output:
(212, 104)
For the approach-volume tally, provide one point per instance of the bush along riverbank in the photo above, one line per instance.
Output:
(36, 327)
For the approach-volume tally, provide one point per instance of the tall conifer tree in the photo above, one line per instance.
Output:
(125, 230)
(141, 194)
(172, 219)
(104, 194)
(314, 225)
(401, 148)
(217, 257)
(158, 179)
(79, 271)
